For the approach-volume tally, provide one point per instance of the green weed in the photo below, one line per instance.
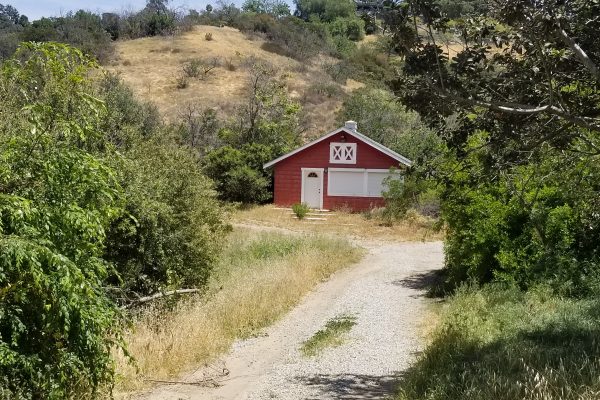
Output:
(333, 335)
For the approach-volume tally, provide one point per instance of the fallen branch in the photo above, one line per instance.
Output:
(161, 295)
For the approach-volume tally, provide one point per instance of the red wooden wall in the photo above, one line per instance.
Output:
(288, 173)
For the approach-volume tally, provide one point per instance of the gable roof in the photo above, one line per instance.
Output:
(352, 132)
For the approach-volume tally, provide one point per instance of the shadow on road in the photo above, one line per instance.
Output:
(430, 282)
(351, 387)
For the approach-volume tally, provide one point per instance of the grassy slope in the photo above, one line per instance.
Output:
(150, 66)
(260, 277)
(504, 344)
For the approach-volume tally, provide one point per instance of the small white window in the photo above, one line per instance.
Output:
(342, 153)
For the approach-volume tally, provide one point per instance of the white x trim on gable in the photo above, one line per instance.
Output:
(342, 153)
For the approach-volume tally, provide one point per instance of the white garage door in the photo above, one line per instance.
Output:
(357, 182)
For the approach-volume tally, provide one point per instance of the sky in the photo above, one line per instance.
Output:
(34, 9)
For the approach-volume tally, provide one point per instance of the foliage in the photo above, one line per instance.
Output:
(57, 326)
(300, 210)
(400, 195)
(534, 222)
(463, 8)
(288, 36)
(325, 10)
(172, 230)
(238, 173)
(127, 119)
(12, 24)
(81, 29)
(383, 118)
(500, 343)
(276, 8)
(268, 116)
(518, 111)
(352, 28)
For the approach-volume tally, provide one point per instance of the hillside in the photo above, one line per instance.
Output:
(151, 67)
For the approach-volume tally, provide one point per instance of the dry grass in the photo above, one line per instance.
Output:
(261, 277)
(150, 65)
(343, 223)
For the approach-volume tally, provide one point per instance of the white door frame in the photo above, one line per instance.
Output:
(305, 172)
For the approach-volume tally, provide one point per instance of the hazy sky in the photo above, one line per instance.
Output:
(35, 9)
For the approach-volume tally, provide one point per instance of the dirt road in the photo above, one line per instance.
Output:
(384, 293)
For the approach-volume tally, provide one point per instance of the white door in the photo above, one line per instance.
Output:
(313, 182)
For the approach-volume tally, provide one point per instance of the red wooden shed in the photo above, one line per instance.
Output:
(344, 168)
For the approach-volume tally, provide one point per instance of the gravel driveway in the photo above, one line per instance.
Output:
(385, 294)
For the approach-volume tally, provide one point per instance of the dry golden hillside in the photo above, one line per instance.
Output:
(151, 67)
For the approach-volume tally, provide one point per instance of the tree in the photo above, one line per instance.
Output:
(383, 118)
(11, 26)
(518, 110)
(268, 116)
(325, 10)
(57, 326)
(237, 174)
(276, 8)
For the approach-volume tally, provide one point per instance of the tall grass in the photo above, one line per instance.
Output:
(260, 277)
(499, 343)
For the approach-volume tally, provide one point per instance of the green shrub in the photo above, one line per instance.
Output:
(300, 210)
(544, 231)
(325, 10)
(57, 326)
(126, 119)
(238, 174)
(345, 48)
(352, 28)
(192, 68)
(173, 226)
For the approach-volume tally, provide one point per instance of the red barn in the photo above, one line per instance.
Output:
(344, 168)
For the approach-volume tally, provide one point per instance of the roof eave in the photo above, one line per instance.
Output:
(390, 153)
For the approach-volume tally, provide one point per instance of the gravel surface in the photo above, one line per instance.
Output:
(384, 293)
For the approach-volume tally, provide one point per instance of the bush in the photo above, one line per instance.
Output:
(399, 197)
(57, 326)
(352, 28)
(325, 10)
(300, 209)
(208, 36)
(82, 29)
(127, 120)
(182, 81)
(544, 231)
(192, 68)
(172, 229)
(238, 174)
(290, 36)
